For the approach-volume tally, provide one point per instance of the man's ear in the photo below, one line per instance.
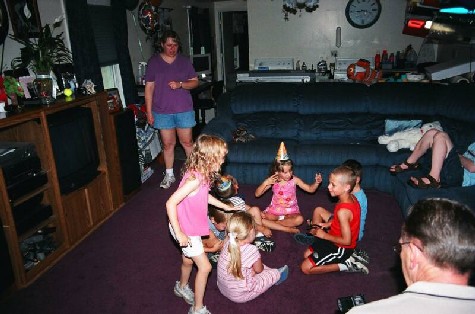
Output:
(415, 255)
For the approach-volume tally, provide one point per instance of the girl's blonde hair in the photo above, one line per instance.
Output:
(239, 226)
(206, 157)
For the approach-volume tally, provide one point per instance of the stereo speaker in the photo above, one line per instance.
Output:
(128, 151)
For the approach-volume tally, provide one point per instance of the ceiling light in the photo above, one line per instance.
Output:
(291, 6)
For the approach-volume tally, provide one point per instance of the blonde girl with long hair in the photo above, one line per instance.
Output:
(241, 274)
(187, 211)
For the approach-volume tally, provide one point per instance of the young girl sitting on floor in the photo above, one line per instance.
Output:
(227, 190)
(241, 274)
(283, 213)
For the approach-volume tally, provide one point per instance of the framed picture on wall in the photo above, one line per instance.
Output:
(25, 17)
(113, 100)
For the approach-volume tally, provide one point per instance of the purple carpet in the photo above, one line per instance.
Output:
(130, 264)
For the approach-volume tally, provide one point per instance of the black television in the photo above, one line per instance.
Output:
(74, 147)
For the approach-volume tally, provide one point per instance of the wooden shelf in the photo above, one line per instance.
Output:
(33, 193)
(75, 215)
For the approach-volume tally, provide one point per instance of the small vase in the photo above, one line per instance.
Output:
(44, 86)
(15, 103)
(14, 99)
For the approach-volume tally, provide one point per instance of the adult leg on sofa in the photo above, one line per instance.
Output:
(440, 143)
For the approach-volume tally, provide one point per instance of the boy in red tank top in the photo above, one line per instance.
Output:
(331, 251)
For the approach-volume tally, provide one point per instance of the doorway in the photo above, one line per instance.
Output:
(234, 46)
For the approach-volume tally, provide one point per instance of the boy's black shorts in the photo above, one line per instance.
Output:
(326, 252)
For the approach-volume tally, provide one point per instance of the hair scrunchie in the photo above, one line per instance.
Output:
(232, 238)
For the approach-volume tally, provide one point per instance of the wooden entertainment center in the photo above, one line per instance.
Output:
(74, 215)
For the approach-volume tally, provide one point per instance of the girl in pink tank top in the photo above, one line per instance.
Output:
(283, 213)
(187, 213)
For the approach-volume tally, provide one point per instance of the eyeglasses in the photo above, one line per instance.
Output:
(398, 247)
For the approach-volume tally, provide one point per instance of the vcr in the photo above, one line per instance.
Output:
(23, 174)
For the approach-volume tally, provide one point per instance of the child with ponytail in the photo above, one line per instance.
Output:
(241, 274)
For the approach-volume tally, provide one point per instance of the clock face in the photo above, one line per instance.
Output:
(362, 13)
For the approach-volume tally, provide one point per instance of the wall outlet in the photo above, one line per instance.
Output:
(334, 53)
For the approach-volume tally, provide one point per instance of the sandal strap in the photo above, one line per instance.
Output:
(433, 183)
(411, 165)
(432, 180)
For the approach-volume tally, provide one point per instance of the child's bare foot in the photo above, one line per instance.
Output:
(267, 232)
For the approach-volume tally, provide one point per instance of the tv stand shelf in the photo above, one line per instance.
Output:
(74, 215)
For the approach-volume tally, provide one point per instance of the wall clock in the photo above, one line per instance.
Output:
(363, 13)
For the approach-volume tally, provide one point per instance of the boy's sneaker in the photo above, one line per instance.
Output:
(361, 256)
(213, 259)
(186, 293)
(167, 181)
(202, 310)
(356, 267)
(264, 244)
(284, 273)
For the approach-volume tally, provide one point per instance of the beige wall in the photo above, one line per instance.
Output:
(306, 38)
(312, 35)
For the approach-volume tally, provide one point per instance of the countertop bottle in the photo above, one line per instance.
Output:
(384, 57)
(377, 60)
(304, 66)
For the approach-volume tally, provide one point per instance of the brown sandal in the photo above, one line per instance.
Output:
(433, 183)
(399, 169)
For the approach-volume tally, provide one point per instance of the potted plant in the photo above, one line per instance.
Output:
(40, 54)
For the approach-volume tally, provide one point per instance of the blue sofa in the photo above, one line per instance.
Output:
(323, 124)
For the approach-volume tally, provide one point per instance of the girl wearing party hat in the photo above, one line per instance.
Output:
(283, 213)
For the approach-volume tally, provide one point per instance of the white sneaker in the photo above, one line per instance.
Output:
(202, 310)
(167, 181)
(186, 293)
(356, 267)
(361, 256)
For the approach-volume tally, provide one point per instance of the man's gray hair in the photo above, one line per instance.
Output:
(447, 231)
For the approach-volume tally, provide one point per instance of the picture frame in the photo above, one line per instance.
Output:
(25, 17)
(65, 76)
(114, 102)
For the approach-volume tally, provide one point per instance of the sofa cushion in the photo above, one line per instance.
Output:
(263, 97)
(356, 127)
(280, 125)
(331, 97)
(259, 151)
(408, 196)
(406, 99)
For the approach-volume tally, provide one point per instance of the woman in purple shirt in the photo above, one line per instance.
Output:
(168, 80)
